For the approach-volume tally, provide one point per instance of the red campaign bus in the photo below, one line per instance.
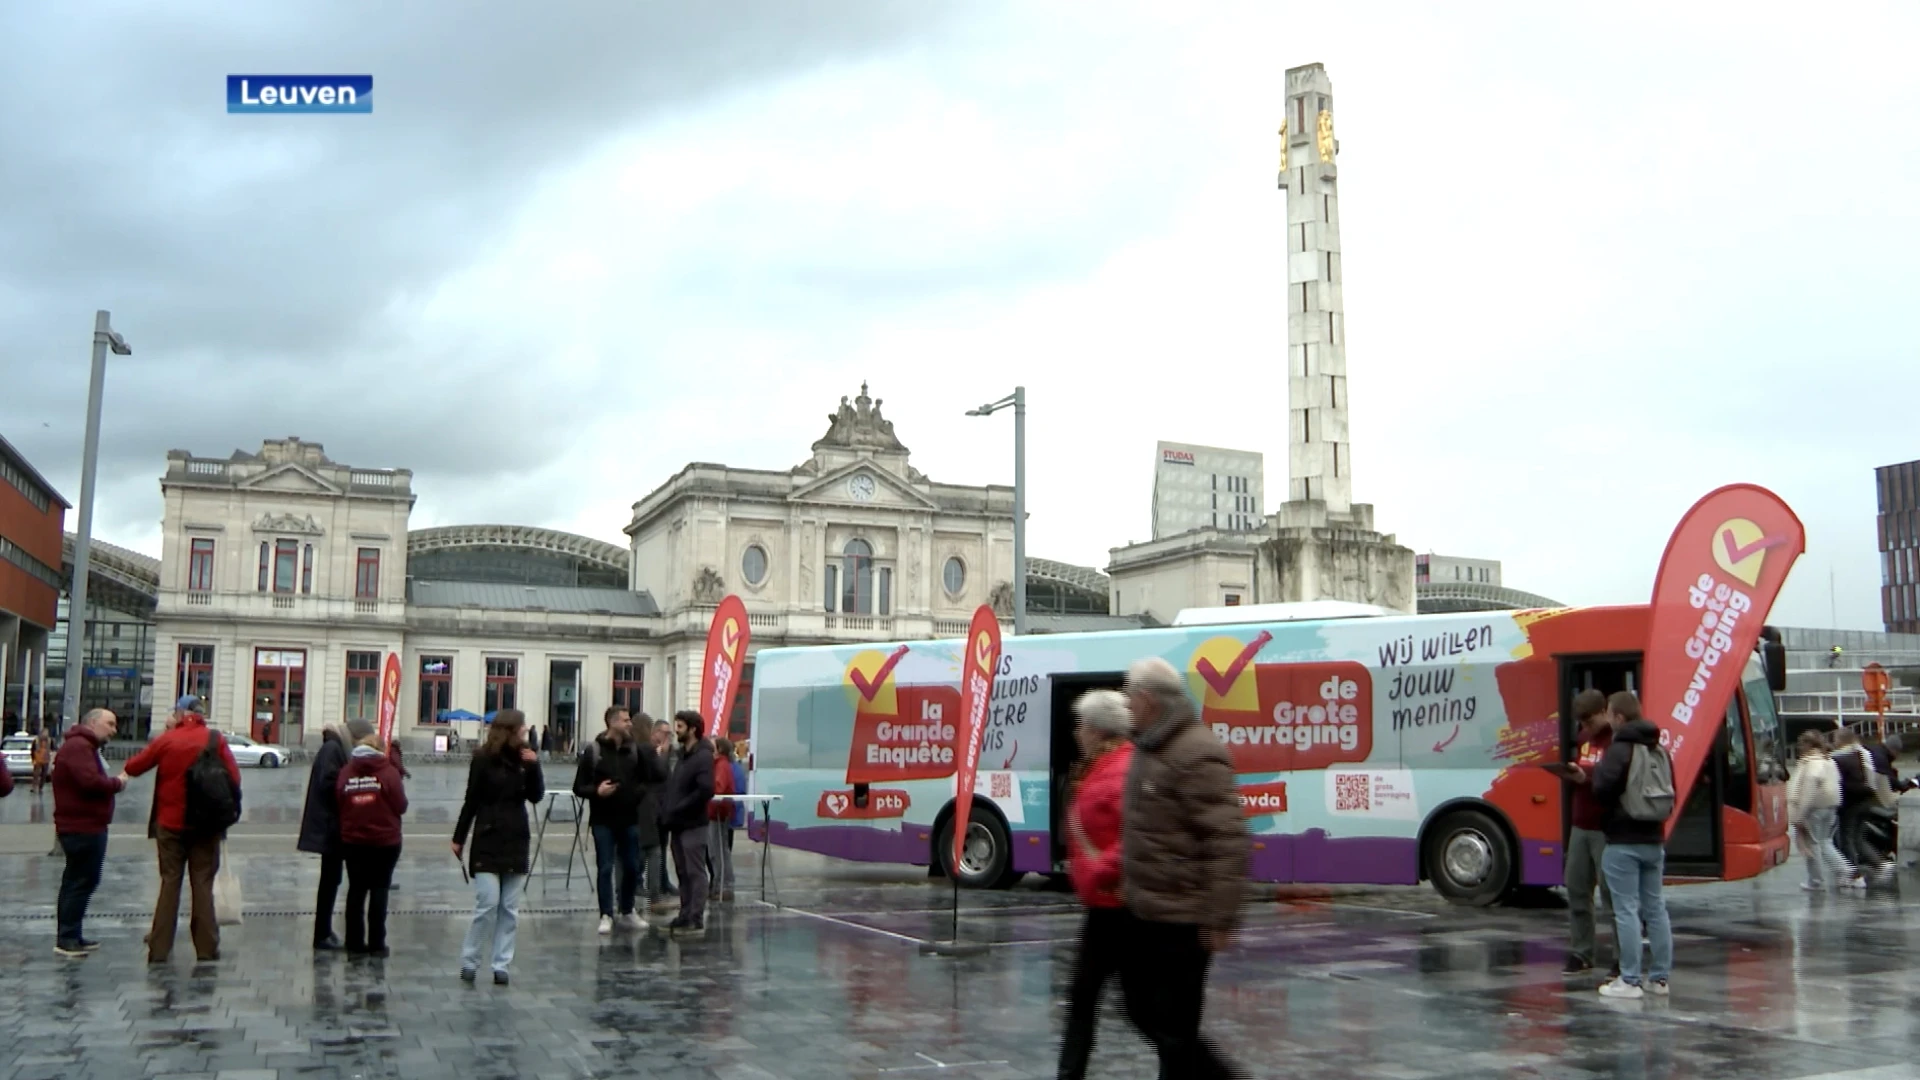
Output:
(1374, 750)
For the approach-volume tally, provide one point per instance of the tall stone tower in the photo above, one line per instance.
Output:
(1319, 544)
(1320, 460)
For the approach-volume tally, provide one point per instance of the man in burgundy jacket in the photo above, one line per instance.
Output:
(194, 854)
(82, 809)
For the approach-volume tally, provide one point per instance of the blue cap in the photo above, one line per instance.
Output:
(188, 703)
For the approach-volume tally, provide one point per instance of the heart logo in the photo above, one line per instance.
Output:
(1740, 548)
(983, 650)
(730, 638)
(836, 804)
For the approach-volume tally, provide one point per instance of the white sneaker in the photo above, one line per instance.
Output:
(1659, 988)
(1812, 886)
(606, 924)
(1620, 988)
(1857, 883)
(632, 921)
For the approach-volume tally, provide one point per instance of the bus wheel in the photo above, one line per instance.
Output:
(987, 857)
(1468, 859)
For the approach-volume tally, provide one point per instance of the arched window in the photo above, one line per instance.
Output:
(856, 576)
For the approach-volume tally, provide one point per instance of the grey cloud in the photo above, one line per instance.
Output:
(254, 261)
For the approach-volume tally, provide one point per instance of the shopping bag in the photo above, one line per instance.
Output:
(226, 892)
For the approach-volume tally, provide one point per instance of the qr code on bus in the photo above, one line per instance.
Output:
(1000, 785)
(1352, 791)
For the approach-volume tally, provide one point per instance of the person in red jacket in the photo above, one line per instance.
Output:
(371, 797)
(1093, 862)
(720, 821)
(1586, 842)
(82, 809)
(194, 854)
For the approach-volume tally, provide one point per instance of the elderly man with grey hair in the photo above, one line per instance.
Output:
(1184, 861)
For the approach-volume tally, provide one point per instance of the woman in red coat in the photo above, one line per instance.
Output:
(371, 797)
(1093, 862)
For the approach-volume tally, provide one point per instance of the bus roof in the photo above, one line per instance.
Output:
(1308, 611)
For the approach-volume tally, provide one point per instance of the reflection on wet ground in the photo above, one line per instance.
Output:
(1390, 983)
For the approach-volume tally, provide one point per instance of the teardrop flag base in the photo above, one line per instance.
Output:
(953, 946)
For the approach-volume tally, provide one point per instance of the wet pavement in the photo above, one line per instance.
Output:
(1388, 983)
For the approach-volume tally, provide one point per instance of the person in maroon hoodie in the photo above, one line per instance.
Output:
(1093, 862)
(82, 809)
(371, 797)
(1586, 842)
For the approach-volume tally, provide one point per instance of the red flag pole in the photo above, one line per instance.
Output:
(979, 662)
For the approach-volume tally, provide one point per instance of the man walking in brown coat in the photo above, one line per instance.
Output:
(1183, 867)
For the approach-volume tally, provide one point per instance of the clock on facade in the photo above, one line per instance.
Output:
(862, 487)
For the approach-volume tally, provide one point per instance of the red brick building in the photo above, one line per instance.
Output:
(32, 516)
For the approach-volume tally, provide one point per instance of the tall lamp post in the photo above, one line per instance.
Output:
(104, 338)
(1017, 399)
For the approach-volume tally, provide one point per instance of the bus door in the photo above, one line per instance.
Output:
(1065, 749)
(1608, 673)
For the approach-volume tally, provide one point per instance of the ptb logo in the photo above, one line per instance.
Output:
(299, 93)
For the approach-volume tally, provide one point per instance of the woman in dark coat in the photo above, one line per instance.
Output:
(320, 833)
(504, 778)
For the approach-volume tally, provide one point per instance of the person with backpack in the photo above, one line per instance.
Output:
(1813, 801)
(1634, 786)
(1863, 792)
(196, 795)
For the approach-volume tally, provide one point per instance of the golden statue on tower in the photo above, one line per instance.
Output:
(1326, 137)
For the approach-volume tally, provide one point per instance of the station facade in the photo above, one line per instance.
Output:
(286, 577)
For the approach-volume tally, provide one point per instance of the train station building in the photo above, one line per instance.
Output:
(285, 577)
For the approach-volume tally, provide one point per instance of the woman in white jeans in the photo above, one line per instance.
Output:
(1813, 808)
(503, 780)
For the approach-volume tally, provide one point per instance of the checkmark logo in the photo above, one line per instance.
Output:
(868, 687)
(983, 651)
(1740, 549)
(730, 638)
(1222, 681)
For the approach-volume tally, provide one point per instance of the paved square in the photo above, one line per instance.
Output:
(1388, 983)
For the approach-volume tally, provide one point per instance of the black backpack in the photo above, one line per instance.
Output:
(213, 799)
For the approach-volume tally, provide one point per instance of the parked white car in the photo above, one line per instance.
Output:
(247, 752)
(19, 753)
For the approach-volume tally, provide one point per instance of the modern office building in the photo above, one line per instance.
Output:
(1207, 487)
(1899, 489)
(32, 514)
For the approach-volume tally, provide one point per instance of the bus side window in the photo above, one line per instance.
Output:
(1739, 790)
(1767, 745)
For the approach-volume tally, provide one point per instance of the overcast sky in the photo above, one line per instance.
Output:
(1595, 265)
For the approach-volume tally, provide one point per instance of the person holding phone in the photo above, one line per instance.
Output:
(503, 780)
(1586, 843)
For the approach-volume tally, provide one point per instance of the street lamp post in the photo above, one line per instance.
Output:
(1017, 399)
(104, 338)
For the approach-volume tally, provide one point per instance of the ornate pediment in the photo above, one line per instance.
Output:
(863, 483)
(284, 524)
(291, 478)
